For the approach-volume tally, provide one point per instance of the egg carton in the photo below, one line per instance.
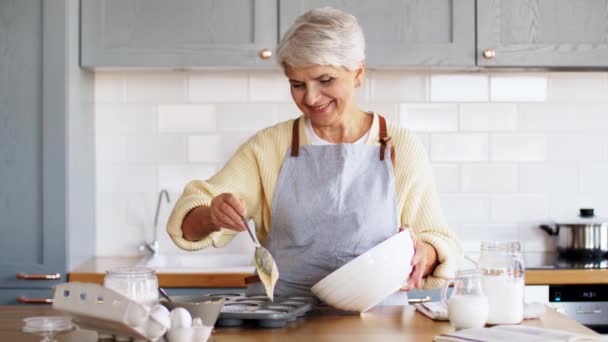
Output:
(95, 307)
(239, 308)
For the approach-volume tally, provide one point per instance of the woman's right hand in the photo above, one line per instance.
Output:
(226, 211)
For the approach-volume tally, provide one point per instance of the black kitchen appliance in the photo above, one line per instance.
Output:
(585, 303)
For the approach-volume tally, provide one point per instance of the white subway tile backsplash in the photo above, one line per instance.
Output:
(111, 213)
(111, 210)
(189, 118)
(488, 117)
(231, 142)
(595, 200)
(548, 178)
(447, 177)
(429, 117)
(218, 87)
(125, 119)
(489, 178)
(269, 87)
(108, 244)
(501, 163)
(390, 86)
(246, 116)
(109, 87)
(424, 139)
(566, 207)
(593, 177)
(513, 147)
(140, 212)
(288, 111)
(390, 111)
(153, 149)
(550, 117)
(465, 208)
(126, 178)
(534, 239)
(473, 234)
(459, 88)
(174, 177)
(576, 147)
(518, 88)
(578, 87)
(565, 117)
(204, 148)
(518, 207)
(459, 147)
(110, 149)
(155, 87)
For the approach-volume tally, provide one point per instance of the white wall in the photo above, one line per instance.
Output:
(509, 150)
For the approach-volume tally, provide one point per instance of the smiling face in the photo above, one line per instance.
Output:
(324, 93)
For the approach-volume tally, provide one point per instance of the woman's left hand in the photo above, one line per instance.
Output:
(424, 262)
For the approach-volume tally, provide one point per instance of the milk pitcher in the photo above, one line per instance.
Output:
(502, 268)
(467, 306)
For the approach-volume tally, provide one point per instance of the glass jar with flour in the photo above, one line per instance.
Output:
(503, 278)
(137, 283)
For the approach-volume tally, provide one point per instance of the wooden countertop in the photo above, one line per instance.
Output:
(566, 276)
(389, 323)
(94, 269)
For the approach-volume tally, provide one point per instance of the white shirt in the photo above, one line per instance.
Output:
(314, 139)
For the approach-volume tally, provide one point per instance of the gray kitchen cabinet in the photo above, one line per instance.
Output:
(34, 296)
(401, 33)
(177, 33)
(542, 33)
(46, 170)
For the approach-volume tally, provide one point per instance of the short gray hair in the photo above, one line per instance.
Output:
(323, 36)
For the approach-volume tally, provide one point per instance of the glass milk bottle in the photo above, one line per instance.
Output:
(502, 267)
(468, 305)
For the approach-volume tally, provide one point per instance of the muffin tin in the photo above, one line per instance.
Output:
(239, 308)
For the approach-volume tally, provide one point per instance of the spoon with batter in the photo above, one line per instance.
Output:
(264, 263)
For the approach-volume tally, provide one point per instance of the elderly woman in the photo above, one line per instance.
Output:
(326, 187)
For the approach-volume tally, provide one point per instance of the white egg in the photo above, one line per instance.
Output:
(180, 335)
(180, 318)
(154, 330)
(201, 333)
(161, 315)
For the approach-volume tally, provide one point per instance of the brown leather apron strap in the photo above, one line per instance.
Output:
(295, 138)
(385, 140)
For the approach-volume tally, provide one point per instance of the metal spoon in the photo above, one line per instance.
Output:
(263, 262)
(165, 294)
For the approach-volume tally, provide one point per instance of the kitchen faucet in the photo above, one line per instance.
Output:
(154, 246)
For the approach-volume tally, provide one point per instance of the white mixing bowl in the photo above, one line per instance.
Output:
(369, 278)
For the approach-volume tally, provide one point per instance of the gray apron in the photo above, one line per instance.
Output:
(332, 203)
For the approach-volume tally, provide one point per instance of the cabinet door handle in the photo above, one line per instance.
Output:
(589, 312)
(25, 300)
(489, 53)
(24, 276)
(419, 300)
(265, 53)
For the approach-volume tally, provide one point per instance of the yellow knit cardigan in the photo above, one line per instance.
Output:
(252, 173)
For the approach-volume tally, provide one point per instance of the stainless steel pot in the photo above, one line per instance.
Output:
(585, 236)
